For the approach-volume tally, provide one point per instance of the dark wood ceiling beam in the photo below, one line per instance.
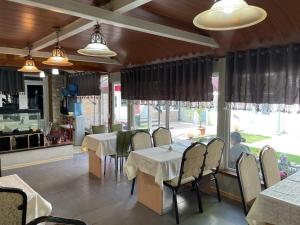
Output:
(80, 25)
(17, 62)
(124, 6)
(88, 12)
(77, 58)
(69, 30)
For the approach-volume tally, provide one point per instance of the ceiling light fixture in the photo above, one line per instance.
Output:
(97, 46)
(229, 15)
(29, 66)
(55, 71)
(42, 74)
(58, 57)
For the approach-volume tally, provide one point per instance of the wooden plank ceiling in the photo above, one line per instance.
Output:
(21, 24)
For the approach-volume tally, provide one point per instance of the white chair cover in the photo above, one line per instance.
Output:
(249, 177)
(214, 154)
(141, 140)
(9, 212)
(269, 166)
(193, 162)
(161, 137)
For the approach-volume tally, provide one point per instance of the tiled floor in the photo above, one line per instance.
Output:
(74, 193)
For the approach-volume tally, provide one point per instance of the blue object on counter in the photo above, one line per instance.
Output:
(77, 109)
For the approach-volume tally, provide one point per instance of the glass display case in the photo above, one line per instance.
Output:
(20, 129)
(21, 121)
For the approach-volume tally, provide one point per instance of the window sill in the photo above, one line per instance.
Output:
(228, 172)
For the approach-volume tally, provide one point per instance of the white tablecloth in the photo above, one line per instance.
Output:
(278, 205)
(36, 205)
(103, 144)
(159, 162)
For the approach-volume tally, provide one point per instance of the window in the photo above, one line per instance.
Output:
(251, 131)
(157, 116)
(120, 107)
(141, 116)
(195, 123)
(91, 109)
(104, 113)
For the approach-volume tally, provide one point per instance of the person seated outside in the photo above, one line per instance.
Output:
(236, 148)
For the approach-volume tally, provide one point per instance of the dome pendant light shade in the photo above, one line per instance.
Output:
(29, 66)
(97, 46)
(229, 15)
(58, 57)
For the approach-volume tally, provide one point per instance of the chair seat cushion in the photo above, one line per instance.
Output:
(174, 182)
(207, 172)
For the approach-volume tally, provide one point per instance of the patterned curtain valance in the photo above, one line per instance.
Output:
(88, 83)
(188, 80)
(264, 79)
(11, 81)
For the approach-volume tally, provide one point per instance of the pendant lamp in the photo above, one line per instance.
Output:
(97, 46)
(58, 57)
(229, 15)
(29, 66)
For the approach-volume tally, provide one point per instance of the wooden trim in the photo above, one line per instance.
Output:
(88, 12)
(50, 98)
(149, 193)
(76, 58)
(95, 164)
(227, 172)
(37, 163)
(227, 195)
(110, 102)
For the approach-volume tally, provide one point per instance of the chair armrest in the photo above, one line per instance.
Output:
(58, 220)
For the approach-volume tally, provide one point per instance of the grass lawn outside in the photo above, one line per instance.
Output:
(252, 138)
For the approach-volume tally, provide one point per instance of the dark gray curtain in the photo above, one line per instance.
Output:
(88, 83)
(182, 80)
(11, 81)
(263, 76)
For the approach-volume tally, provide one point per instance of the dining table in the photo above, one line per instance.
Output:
(37, 206)
(151, 167)
(278, 204)
(99, 146)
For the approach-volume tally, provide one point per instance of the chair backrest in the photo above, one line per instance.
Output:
(141, 140)
(215, 150)
(248, 178)
(99, 129)
(193, 162)
(269, 166)
(161, 136)
(123, 141)
(116, 127)
(13, 206)
(0, 167)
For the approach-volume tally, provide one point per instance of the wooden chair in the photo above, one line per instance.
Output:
(215, 149)
(191, 170)
(140, 140)
(99, 129)
(248, 179)
(13, 208)
(269, 166)
(161, 136)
